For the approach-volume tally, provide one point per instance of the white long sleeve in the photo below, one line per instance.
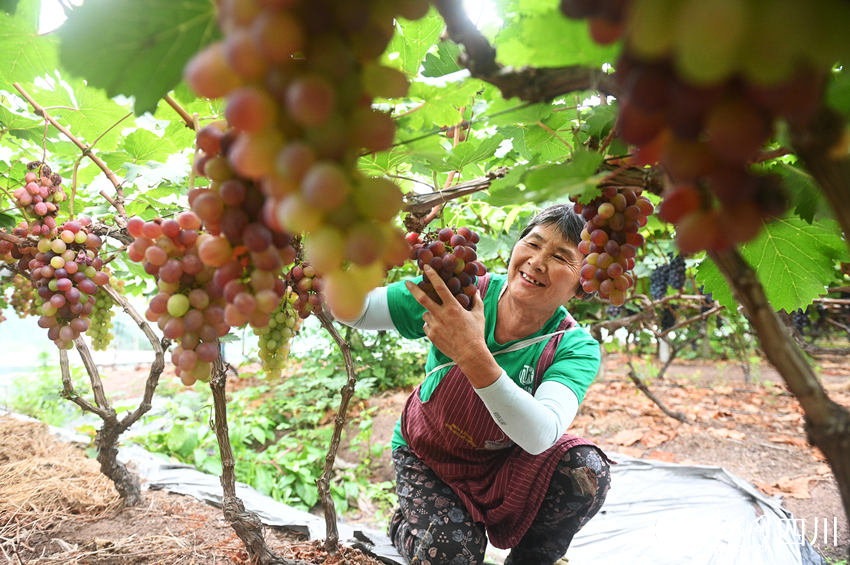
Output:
(533, 422)
(375, 314)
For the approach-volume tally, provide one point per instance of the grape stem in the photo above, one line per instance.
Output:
(530, 84)
(118, 202)
(347, 391)
(187, 119)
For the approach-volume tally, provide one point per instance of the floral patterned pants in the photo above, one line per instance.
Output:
(431, 525)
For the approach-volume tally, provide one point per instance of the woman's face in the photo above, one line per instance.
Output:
(544, 269)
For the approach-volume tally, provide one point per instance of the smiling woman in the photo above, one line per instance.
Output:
(481, 447)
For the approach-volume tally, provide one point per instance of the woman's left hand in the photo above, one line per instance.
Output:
(457, 332)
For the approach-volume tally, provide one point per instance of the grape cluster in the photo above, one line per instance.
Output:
(247, 254)
(452, 254)
(66, 273)
(38, 197)
(801, 320)
(101, 316)
(668, 318)
(658, 280)
(614, 311)
(24, 300)
(610, 240)
(677, 273)
(306, 286)
(190, 305)
(704, 103)
(299, 78)
(275, 338)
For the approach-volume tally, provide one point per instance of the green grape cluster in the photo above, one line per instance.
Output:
(24, 300)
(101, 316)
(275, 338)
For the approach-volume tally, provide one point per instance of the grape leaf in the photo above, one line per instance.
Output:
(136, 48)
(6, 221)
(792, 259)
(472, 151)
(838, 91)
(442, 63)
(531, 35)
(412, 40)
(86, 112)
(25, 54)
(805, 194)
(8, 6)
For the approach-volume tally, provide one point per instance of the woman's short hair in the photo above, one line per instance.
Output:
(562, 216)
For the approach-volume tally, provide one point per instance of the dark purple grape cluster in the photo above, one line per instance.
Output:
(452, 254)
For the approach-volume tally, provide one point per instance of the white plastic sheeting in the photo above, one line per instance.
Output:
(669, 514)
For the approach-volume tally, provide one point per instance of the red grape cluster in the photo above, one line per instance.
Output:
(246, 252)
(452, 254)
(307, 286)
(704, 103)
(66, 273)
(38, 197)
(610, 240)
(190, 305)
(299, 80)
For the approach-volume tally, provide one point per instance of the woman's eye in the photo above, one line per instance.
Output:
(561, 259)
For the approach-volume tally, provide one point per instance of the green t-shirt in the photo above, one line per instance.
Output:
(575, 364)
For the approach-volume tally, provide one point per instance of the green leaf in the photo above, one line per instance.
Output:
(6, 221)
(25, 54)
(838, 91)
(136, 48)
(181, 441)
(86, 112)
(792, 260)
(805, 193)
(541, 36)
(8, 6)
(472, 151)
(412, 40)
(258, 433)
(442, 63)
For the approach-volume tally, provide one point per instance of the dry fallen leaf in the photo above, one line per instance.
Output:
(795, 488)
(724, 433)
(795, 441)
(654, 438)
(659, 455)
(627, 437)
(631, 451)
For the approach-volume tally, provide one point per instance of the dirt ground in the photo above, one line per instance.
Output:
(752, 429)
(56, 508)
